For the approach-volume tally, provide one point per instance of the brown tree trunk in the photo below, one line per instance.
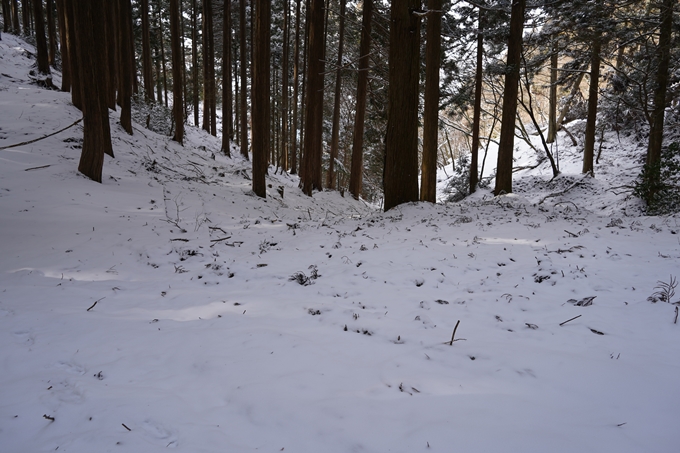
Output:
(147, 66)
(243, 53)
(63, 44)
(6, 16)
(261, 114)
(311, 160)
(335, 134)
(284, 86)
(41, 41)
(477, 110)
(25, 16)
(589, 146)
(401, 143)
(51, 33)
(227, 107)
(163, 60)
(126, 72)
(76, 89)
(296, 86)
(194, 59)
(428, 178)
(652, 175)
(89, 42)
(15, 17)
(507, 139)
(357, 166)
(177, 70)
(208, 62)
(552, 114)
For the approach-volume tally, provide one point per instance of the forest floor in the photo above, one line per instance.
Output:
(169, 307)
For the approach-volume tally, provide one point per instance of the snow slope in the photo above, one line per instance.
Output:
(157, 310)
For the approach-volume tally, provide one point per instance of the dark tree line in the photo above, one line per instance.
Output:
(349, 94)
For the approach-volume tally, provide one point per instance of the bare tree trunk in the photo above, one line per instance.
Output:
(163, 60)
(63, 44)
(552, 114)
(147, 67)
(51, 33)
(41, 42)
(335, 134)
(428, 184)
(25, 16)
(15, 17)
(507, 139)
(244, 83)
(76, 89)
(6, 16)
(177, 69)
(126, 72)
(296, 85)
(260, 95)
(284, 85)
(208, 60)
(311, 161)
(589, 147)
(401, 143)
(194, 59)
(357, 166)
(477, 110)
(88, 44)
(227, 108)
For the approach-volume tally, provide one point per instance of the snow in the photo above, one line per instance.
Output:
(121, 332)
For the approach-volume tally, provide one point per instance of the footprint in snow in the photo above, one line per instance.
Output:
(159, 433)
(24, 337)
(70, 367)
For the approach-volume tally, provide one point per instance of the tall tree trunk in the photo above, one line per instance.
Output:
(147, 66)
(652, 174)
(284, 85)
(552, 114)
(303, 95)
(163, 59)
(477, 110)
(88, 46)
(15, 17)
(112, 37)
(589, 147)
(311, 161)
(227, 107)
(51, 33)
(6, 16)
(428, 184)
(335, 134)
(296, 86)
(401, 143)
(177, 70)
(260, 95)
(41, 41)
(208, 61)
(243, 53)
(126, 72)
(357, 166)
(194, 59)
(507, 139)
(76, 89)
(63, 45)
(25, 16)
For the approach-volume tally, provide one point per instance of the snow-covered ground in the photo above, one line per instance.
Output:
(171, 308)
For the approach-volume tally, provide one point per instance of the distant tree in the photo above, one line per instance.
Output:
(194, 59)
(593, 91)
(88, 50)
(428, 180)
(126, 69)
(243, 104)
(147, 66)
(296, 86)
(506, 143)
(63, 48)
(260, 95)
(335, 134)
(477, 109)
(177, 70)
(51, 32)
(6, 16)
(311, 160)
(208, 68)
(227, 105)
(15, 17)
(357, 168)
(401, 143)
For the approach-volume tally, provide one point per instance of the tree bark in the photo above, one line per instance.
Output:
(163, 59)
(507, 139)
(126, 72)
(147, 66)
(311, 161)
(63, 45)
(589, 147)
(76, 89)
(357, 166)
(335, 133)
(243, 53)
(6, 16)
(41, 41)
(552, 114)
(194, 59)
(25, 16)
(284, 86)
(477, 110)
(428, 179)
(227, 108)
(15, 17)
(177, 69)
(401, 143)
(89, 42)
(296, 86)
(208, 66)
(261, 114)
(51, 33)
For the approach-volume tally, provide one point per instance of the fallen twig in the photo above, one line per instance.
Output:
(36, 168)
(562, 192)
(676, 315)
(126, 427)
(40, 138)
(180, 239)
(568, 320)
(95, 303)
(48, 417)
(571, 234)
(454, 333)
(220, 239)
(217, 228)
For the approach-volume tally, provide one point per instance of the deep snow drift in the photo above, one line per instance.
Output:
(170, 308)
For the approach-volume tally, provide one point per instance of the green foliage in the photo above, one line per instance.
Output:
(659, 184)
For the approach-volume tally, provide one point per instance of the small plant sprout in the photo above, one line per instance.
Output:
(663, 291)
